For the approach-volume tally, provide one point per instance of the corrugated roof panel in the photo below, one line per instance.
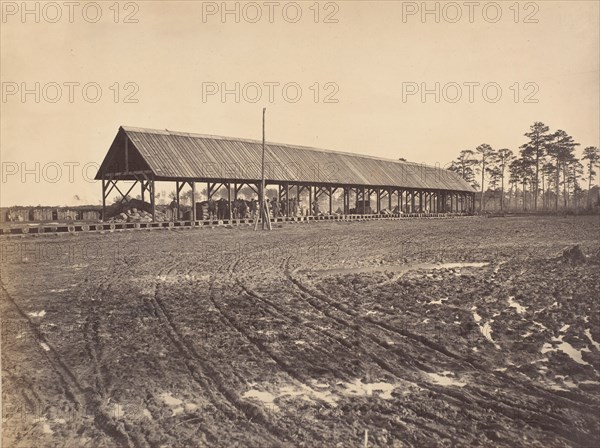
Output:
(180, 155)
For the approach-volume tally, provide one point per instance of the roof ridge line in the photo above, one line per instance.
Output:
(288, 145)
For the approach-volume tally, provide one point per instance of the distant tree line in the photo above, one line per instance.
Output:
(545, 174)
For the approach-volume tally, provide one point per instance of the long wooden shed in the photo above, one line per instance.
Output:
(148, 155)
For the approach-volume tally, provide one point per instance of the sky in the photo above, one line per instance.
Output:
(389, 79)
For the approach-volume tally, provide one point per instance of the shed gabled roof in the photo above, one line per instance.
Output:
(170, 155)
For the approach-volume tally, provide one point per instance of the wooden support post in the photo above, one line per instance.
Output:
(330, 201)
(229, 201)
(103, 199)
(193, 185)
(364, 199)
(143, 189)
(348, 190)
(310, 200)
(176, 218)
(153, 199)
(287, 200)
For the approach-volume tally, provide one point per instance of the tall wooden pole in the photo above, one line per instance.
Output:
(263, 206)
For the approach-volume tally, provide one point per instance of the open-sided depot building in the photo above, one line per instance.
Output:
(146, 156)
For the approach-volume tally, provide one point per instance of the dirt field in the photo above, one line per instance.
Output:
(459, 332)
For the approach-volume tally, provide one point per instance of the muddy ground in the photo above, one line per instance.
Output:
(458, 332)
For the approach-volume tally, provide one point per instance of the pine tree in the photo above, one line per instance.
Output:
(561, 148)
(534, 150)
(464, 165)
(591, 155)
(486, 153)
(502, 159)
